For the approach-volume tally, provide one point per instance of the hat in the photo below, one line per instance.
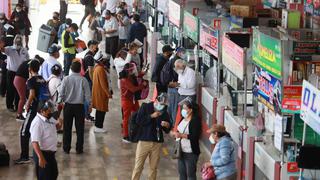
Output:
(54, 48)
(137, 42)
(92, 42)
(217, 128)
(180, 49)
(167, 48)
(100, 56)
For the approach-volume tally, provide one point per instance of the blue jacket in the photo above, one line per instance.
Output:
(223, 158)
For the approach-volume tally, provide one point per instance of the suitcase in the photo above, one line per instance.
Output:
(4, 155)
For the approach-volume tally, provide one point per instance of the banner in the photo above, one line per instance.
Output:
(267, 89)
(310, 106)
(308, 6)
(209, 39)
(191, 26)
(266, 53)
(174, 13)
(291, 102)
(233, 57)
(163, 6)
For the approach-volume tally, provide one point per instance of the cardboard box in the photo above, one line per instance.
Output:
(241, 11)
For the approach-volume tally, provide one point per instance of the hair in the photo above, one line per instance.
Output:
(133, 45)
(19, 5)
(68, 21)
(76, 66)
(97, 14)
(56, 70)
(34, 65)
(56, 13)
(124, 73)
(136, 17)
(180, 61)
(122, 53)
(74, 26)
(221, 134)
(39, 58)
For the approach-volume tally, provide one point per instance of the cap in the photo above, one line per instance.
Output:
(46, 105)
(92, 42)
(167, 48)
(137, 42)
(100, 56)
(54, 48)
(217, 128)
(180, 49)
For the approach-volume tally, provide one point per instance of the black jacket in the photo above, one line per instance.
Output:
(160, 62)
(195, 130)
(137, 31)
(148, 131)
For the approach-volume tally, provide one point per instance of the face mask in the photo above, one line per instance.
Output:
(179, 71)
(2, 21)
(159, 107)
(211, 139)
(139, 51)
(18, 10)
(184, 113)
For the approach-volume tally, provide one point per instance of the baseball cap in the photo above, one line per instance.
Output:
(167, 48)
(54, 48)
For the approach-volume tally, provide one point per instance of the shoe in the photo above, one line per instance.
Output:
(89, 119)
(20, 118)
(22, 161)
(11, 110)
(99, 130)
(79, 152)
(126, 140)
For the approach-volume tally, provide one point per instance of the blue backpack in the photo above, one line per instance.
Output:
(44, 93)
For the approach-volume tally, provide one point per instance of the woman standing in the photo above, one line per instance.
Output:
(223, 158)
(100, 92)
(128, 86)
(55, 23)
(189, 131)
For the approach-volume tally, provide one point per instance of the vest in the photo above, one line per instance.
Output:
(70, 50)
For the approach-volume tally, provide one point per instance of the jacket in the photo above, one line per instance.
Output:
(223, 158)
(128, 88)
(160, 62)
(137, 31)
(149, 125)
(100, 89)
(68, 44)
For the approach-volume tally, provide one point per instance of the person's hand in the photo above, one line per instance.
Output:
(174, 84)
(59, 124)
(42, 162)
(165, 124)
(155, 114)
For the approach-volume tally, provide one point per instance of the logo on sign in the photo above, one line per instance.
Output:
(266, 53)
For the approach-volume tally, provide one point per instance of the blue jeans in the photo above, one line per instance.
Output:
(173, 100)
(187, 166)
(67, 62)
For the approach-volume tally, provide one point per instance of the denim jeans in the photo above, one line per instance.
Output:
(68, 58)
(187, 166)
(173, 100)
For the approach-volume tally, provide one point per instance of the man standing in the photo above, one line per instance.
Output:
(111, 5)
(68, 46)
(153, 119)
(124, 23)
(112, 35)
(44, 140)
(63, 10)
(160, 62)
(74, 92)
(45, 69)
(89, 10)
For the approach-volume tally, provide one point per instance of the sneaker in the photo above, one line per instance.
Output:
(126, 140)
(22, 161)
(99, 130)
(20, 118)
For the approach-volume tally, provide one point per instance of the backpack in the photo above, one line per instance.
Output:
(4, 155)
(44, 93)
(166, 73)
(134, 128)
(84, 2)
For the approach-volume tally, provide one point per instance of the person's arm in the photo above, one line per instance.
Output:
(156, 71)
(32, 96)
(60, 31)
(130, 34)
(66, 40)
(90, 72)
(42, 160)
(225, 152)
(114, 28)
(61, 91)
(87, 92)
(36, 134)
(167, 120)
(132, 88)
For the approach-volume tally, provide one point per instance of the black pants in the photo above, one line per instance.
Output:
(141, 60)
(187, 166)
(122, 43)
(3, 84)
(63, 11)
(89, 10)
(50, 171)
(112, 45)
(25, 132)
(70, 112)
(99, 118)
(12, 99)
(161, 88)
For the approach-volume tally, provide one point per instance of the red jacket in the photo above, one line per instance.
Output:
(128, 89)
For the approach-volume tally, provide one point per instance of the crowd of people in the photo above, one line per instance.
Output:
(53, 98)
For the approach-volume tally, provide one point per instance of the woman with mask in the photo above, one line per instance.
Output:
(120, 61)
(55, 23)
(133, 54)
(189, 132)
(94, 25)
(128, 87)
(222, 158)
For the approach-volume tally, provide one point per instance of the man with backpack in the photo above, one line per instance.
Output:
(38, 92)
(89, 10)
(152, 119)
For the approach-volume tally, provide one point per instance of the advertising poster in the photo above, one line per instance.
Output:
(308, 6)
(163, 6)
(278, 128)
(174, 13)
(269, 3)
(209, 39)
(310, 106)
(233, 57)
(306, 48)
(266, 53)
(267, 89)
(291, 102)
(191, 26)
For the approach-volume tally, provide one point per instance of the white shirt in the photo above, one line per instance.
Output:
(15, 59)
(183, 128)
(45, 69)
(111, 24)
(124, 30)
(53, 85)
(187, 82)
(44, 132)
(119, 64)
(111, 5)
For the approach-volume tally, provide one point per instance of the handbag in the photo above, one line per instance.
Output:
(207, 173)
(177, 150)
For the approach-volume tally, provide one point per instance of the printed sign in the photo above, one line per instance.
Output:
(291, 102)
(278, 128)
(163, 6)
(270, 3)
(308, 6)
(267, 89)
(191, 26)
(233, 57)
(174, 13)
(266, 53)
(310, 106)
(306, 48)
(209, 39)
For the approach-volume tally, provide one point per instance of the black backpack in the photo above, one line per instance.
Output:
(134, 128)
(4, 155)
(84, 2)
(166, 73)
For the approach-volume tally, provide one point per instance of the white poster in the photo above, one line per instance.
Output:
(278, 130)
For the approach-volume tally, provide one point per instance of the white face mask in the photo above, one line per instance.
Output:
(18, 10)
(1, 21)
(179, 71)
(211, 139)
(139, 51)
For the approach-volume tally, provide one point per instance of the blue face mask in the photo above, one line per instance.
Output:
(184, 113)
(159, 107)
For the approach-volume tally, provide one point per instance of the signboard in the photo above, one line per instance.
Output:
(291, 102)
(270, 3)
(209, 39)
(310, 106)
(264, 161)
(266, 53)
(191, 26)
(174, 13)
(308, 6)
(278, 128)
(267, 89)
(163, 6)
(306, 48)
(233, 57)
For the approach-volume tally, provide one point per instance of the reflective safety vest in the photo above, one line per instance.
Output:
(70, 50)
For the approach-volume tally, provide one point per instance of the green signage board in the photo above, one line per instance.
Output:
(191, 26)
(266, 53)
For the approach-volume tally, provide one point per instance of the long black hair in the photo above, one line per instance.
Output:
(124, 73)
